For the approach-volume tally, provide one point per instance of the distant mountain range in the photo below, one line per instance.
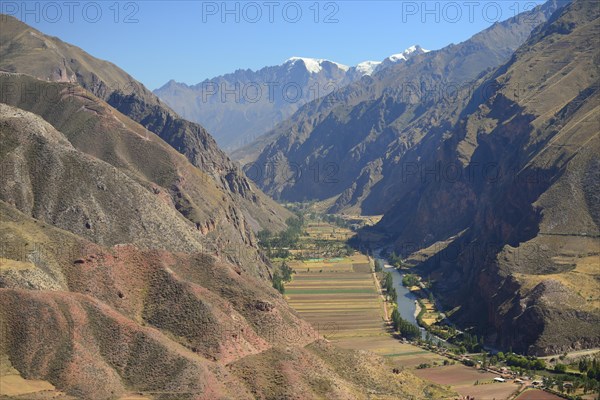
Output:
(240, 106)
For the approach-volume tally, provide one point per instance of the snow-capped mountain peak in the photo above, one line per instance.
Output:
(406, 54)
(314, 65)
(367, 67)
(400, 57)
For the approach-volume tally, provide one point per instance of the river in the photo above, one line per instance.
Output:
(406, 300)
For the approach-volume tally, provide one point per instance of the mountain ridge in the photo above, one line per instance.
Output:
(396, 144)
(241, 105)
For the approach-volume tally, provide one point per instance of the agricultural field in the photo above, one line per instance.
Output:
(463, 379)
(318, 241)
(340, 299)
(536, 394)
(398, 353)
(327, 231)
(431, 315)
(340, 295)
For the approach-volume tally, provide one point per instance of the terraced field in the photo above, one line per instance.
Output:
(398, 353)
(340, 299)
(340, 295)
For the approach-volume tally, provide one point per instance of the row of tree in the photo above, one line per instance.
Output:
(575, 383)
(388, 284)
(405, 328)
(471, 343)
(530, 363)
(590, 367)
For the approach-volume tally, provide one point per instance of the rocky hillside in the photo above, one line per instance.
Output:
(505, 201)
(100, 158)
(102, 322)
(341, 145)
(240, 106)
(28, 51)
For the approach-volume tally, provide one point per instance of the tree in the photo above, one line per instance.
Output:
(388, 282)
(278, 282)
(286, 272)
(562, 368)
(396, 319)
(428, 338)
(405, 328)
(538, 364)
(393, 295)
(264, 237)
(409, 280)
(396, 260)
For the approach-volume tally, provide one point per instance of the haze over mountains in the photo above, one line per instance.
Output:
(240, 106)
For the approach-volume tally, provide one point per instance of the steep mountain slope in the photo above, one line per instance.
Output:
(238, 107)
(340, 144)
(507, 197)
(167, 203)
(99, 321)
(28, 51)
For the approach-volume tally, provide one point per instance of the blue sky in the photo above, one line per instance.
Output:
(189, 41)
